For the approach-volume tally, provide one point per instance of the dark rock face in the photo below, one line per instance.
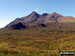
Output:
(45, 14)
(43, 25)
(18, 26)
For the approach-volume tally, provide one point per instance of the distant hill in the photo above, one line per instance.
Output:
(34, 19)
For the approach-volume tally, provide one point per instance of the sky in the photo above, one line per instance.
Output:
(12, 9)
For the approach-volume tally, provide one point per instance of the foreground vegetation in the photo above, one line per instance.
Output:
(36, 42)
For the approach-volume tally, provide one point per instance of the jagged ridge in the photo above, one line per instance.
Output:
(35, 18)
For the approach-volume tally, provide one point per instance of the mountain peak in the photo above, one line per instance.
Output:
(34, 14)
(56, 14)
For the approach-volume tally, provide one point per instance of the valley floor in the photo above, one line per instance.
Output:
(35, 42)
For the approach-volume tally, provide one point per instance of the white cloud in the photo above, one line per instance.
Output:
(36, 10)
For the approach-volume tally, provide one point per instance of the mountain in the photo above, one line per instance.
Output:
(35, 19)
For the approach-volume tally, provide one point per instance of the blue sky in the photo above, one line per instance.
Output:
(11, 9)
